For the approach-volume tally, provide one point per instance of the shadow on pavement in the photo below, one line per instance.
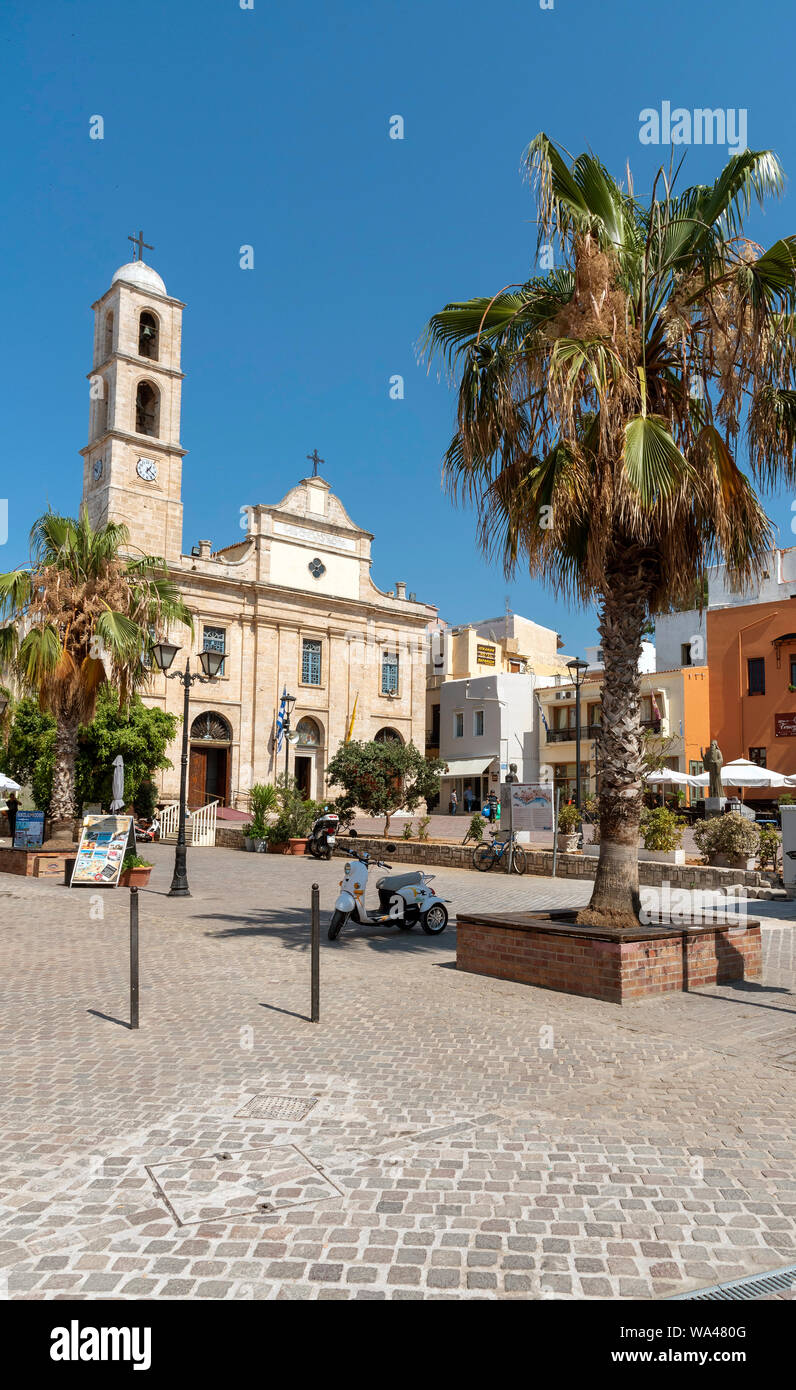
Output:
(292, 928)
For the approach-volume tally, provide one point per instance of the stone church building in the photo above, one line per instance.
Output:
(291, 602)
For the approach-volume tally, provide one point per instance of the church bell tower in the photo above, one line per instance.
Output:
(132, 464)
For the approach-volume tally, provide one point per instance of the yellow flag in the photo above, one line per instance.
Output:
(353, 717)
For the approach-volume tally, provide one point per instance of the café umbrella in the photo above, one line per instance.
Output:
(117, 796)
(7, 784)
(743, 773)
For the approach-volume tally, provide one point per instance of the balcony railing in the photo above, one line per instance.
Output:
(568, 735)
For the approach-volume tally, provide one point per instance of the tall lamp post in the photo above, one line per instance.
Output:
(290, 701)
(163, 654)
(578, 667)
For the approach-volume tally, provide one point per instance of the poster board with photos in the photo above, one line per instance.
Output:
(29, 829)
(104, 841)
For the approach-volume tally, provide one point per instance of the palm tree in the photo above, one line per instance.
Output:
(601, 409)
(83, 612)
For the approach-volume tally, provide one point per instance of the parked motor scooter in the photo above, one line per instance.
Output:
(323, 836)
(404, 899)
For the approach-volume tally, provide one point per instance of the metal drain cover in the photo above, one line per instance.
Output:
(226, 1185)
(753, 1286)
(276, 1108)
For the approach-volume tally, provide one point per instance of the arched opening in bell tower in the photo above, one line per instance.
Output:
(148, 336)
(147, 409)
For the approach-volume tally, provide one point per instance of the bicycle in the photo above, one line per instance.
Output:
(487, 854)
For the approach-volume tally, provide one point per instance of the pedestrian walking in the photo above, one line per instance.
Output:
(12, 806)
(454, 802)
(469, 800)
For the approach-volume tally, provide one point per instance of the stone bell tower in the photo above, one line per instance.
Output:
(132, 464)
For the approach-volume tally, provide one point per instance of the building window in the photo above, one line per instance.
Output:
(793, 670)
(148, 336)
(108, 334)
(756, 668)
(310, 662)
(214, 639)
(685, 654)
(389, 673)
(758, 755)
(458, 725)
(435, 730)
(515, 668)
(478, 723)
(388, 736)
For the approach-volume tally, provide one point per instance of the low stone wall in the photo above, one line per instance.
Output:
(540, 861)
(548, 951)
(230, 836)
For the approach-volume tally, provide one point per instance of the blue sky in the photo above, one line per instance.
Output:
(269, 127)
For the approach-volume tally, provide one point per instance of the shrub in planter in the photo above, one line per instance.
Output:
(422, 827)
(661, 829)
(408, 831)
(475, 830)
(731, 838)
(135, 871)
(769, 846)
(569, 823)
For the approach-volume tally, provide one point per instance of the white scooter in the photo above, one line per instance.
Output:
(404, 899)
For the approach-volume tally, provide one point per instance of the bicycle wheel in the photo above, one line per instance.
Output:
(520, 862)
(483, 857)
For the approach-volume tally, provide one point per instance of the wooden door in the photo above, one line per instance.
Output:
(197, 777)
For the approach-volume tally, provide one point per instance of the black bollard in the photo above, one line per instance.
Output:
(315, 954)
(133, 957)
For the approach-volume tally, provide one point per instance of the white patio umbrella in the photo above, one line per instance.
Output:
(668, 774)
(117, 802)
(7, 784)
(743, 773)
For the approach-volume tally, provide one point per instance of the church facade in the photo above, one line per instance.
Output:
(290, 603)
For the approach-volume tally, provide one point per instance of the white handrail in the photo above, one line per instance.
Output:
(203, 823)
(170, 819)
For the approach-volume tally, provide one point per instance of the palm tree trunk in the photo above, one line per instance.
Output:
(62, 802)
(615, 900)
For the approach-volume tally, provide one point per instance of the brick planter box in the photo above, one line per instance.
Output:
(551, 951)
(35, 863)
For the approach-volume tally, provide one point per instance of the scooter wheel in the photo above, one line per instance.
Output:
(338, 920)
(435, 920)
(328, 855)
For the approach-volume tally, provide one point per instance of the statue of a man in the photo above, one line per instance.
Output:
(712, 762)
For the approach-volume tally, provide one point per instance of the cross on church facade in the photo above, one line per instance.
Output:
(138, 241)
(315, 460)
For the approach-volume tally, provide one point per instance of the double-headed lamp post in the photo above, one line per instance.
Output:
(163, 654)
(290, 701)
(578, 667)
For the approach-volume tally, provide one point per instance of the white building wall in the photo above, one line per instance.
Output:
(510, 723)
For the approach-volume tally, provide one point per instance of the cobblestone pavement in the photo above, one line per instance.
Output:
(450, 1136)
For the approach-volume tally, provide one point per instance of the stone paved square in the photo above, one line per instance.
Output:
(464, 1138)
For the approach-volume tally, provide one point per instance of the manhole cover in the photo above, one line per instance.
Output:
(276, 1108)
(227, 1185)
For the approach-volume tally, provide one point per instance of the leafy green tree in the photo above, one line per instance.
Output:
(140, 734)
(381, 778)
(602, 408)
(83, 613)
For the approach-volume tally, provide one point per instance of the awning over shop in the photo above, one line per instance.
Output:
(468, 767)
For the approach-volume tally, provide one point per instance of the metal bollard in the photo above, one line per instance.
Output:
(133, 957)
(315, 955)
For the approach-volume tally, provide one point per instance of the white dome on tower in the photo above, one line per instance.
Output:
(141, 275)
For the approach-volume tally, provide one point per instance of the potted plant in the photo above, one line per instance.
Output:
(135, 871)
(729, 842)
(662, 833)
(569, 823)
(769, 847)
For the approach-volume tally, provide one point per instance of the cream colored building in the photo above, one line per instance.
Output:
(674, 717)
(291, 603)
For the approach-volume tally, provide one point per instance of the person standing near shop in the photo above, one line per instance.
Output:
(454, 802)
(469, 799)
(12, 806)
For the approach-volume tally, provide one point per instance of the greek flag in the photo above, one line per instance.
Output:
(541, 715)
(280, 721)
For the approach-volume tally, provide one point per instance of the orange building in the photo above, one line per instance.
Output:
(752, 656)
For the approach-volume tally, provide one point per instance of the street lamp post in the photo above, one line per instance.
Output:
(578, 667)
(163, 654)
(290, 701)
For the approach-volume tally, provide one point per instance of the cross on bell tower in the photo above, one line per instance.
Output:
(315, 459)
(140, 244)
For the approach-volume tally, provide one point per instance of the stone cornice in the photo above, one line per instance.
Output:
(138, 440)
(135, 362)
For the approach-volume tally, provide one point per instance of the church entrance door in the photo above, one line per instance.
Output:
(303, 774)
(207, 776)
